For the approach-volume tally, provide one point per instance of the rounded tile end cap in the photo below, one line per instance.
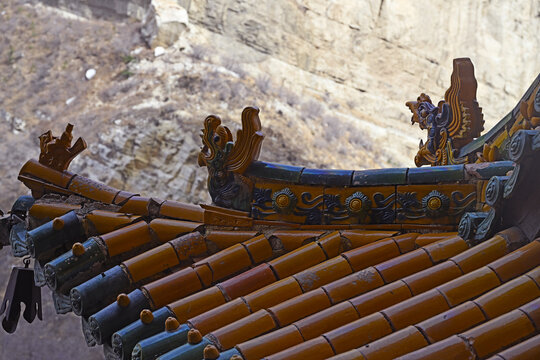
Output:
(146, 316)
(123, 300)
(194, 336)
(58, 224)
(78, 249)
(211, 352)
(171, 324)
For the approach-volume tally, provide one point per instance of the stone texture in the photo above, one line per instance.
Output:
(164, 22)
(331, 79)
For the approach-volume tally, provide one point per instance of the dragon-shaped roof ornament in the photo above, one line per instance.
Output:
(453, 123)
(227, 161)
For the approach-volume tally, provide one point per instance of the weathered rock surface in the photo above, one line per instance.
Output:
(164, 22)
(331, 79)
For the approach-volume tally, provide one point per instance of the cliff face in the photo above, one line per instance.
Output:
(387, 51)
(331, 79)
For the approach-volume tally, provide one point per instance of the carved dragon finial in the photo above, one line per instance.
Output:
(453, 123)
(57, 152)
(227, 161)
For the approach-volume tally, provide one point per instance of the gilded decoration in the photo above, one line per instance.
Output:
(371, 205)
(454, 122)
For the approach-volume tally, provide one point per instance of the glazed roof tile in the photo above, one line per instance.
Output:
(427, 263)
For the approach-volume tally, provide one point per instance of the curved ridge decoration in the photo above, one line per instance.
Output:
(227, 161)
(500, 191)
(57, 152)
(454, 122)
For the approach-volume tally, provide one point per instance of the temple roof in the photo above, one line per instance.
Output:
(288, 262)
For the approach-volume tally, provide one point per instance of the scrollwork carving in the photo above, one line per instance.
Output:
(227, 161)
(57, 152)
(453, 123)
